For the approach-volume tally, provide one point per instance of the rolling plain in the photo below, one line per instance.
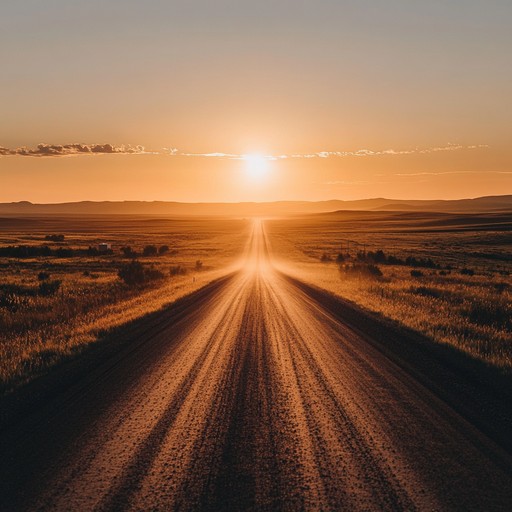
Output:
(353, 360)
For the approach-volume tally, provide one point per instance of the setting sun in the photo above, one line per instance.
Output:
(256, 167)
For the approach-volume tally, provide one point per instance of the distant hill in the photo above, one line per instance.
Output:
(481, 204)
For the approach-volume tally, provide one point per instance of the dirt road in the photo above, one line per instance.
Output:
(251, 396)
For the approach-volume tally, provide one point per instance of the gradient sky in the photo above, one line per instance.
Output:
(345, 99)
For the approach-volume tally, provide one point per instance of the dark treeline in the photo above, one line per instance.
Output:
(34, 251)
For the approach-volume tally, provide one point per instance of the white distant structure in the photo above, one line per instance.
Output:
(104, 247)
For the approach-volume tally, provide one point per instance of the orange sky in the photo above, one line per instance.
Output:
(403, 99)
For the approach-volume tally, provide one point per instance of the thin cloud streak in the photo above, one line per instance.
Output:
(371, 152)
(338, 154)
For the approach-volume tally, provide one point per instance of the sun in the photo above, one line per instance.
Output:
(256, 167)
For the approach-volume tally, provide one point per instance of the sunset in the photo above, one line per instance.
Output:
(348, 100)
(256, 255)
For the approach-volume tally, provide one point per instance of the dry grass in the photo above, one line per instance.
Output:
(471, 311)
(38, 331)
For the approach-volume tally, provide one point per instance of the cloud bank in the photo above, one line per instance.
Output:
(55, 150)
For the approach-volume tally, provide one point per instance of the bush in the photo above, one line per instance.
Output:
(372, 270)
(43, 276)
(501, 287)
(340, 258)
(199, 265)
(132, 273)
(163, 249)
(490, 313)
(325, 258)
(49, 288)
(135, 274)
(362, 270)
(467, 271)
(416, 273)
(153, 274)
(150, 250)
(128, 252)
(177, 270)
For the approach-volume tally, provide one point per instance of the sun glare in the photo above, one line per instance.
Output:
(256, 166)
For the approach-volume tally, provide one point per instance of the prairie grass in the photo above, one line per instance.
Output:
(38, 330)
(468, 310)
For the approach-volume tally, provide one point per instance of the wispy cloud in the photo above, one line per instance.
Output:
(338, 154)
(229, 156)
(56, 150)
(383, 152)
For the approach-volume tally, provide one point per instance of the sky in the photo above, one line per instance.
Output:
(254, 101)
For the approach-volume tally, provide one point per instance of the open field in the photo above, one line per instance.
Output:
(54, 304)
(258, 392)
(456, 286)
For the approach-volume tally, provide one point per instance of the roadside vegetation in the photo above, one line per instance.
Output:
(453, 285)
(59, 293)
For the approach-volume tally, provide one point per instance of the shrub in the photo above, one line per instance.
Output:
(373, 270)
(177, 270)
(467, 271)
(132, 273)
(163, 249)
(128, 252)
(49, 288)
(416, 273)
(135, 274)
(490, 313)
(43, 276)
(325, 258)
(362, 270)
(153, 274)
(199, 265)
(340, 258)
(501, 287)
(150, 250)
(379, 256)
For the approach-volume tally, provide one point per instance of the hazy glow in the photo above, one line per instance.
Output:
(256, 167)
(254, 101)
